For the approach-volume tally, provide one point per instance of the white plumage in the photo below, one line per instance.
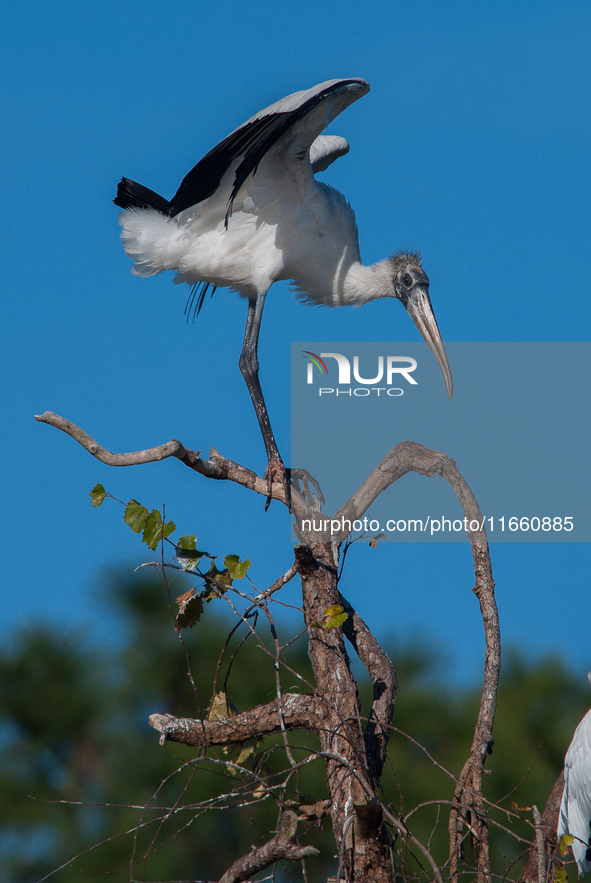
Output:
(575, 809)
(251, 213)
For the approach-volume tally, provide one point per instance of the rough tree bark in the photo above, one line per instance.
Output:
(354, 753)
(548, 826)
(356, 816)
(282, 847)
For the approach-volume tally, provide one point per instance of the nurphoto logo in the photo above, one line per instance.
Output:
(397, 368)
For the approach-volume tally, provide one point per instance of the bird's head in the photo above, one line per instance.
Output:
(411, 287)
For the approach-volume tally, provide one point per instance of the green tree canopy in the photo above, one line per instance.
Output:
(81, 766)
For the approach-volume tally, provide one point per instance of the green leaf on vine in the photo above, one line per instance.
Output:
(236, 568)
(219, 579)
(188, 558)
(97, 495)
(187, 553)
(135, 516)
(156, 530)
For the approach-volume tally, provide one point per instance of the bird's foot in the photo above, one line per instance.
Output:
(276, 472)
(313, 496)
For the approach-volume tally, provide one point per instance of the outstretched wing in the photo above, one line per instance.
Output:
(310, 111)
(325, 150)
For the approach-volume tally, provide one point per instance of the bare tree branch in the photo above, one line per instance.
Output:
(383, 676)
(298, 712)
(357, 822)
(540, 844)
(468, 792)
(216, 467)
(406, 457)
(354, 758)
(282, 847)
(173, 448)
(413, 457)
(314, 810)
(547, 829)
(416, 842)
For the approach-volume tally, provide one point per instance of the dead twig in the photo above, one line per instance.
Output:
(282, 847)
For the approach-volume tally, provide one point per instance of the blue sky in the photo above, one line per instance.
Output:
(473, 146)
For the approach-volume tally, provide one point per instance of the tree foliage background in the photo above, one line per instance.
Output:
(80, 766)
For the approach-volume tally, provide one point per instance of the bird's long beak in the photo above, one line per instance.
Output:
(418, 305)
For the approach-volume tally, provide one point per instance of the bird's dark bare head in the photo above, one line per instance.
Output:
(407, 271)
(411, 287)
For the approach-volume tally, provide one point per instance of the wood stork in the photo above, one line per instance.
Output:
(251, 213)
(575, 809)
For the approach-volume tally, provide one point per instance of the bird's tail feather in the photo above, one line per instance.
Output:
(130, 194)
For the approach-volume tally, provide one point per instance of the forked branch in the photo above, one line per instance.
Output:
(412, 457)
(283, 847)
(333, 711)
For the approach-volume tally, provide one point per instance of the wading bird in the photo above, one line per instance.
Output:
(251, 213)
(575, 809)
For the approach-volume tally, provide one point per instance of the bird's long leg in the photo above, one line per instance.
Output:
(249, 366)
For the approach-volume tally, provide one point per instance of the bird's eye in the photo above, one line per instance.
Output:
(407, 280)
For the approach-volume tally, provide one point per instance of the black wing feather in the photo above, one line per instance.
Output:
(252, 141)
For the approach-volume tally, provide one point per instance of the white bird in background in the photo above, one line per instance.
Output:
(251, 213)
(575, 809)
